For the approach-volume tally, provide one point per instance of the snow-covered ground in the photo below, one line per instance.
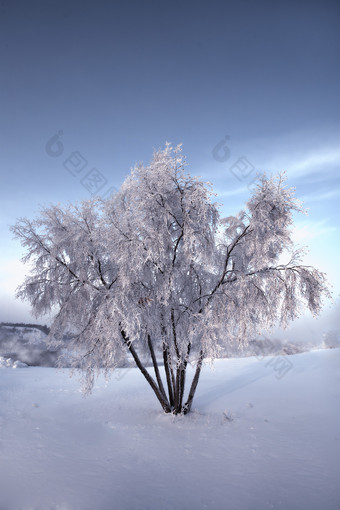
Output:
(255, 440)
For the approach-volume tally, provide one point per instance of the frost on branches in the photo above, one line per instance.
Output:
(155, 270)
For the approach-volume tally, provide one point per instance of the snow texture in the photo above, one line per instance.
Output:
(254, 441)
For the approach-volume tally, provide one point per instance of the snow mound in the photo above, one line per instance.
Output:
(9, 363)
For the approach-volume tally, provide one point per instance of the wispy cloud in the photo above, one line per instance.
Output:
(300, 154)
(308, 157)
(316, 162)
(306, 231)
(327, 195)
(233, 192)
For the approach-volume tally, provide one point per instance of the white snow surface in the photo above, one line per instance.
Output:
(254, 440)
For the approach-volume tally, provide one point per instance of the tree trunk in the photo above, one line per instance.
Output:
(188, 404)
(155, 366)
(177, 391)
(183, 373)
(175, 386)
(168, 373)
(162, 399)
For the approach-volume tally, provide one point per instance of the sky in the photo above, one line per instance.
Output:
(88, 89)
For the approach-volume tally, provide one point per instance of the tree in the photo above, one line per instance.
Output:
(156, 269)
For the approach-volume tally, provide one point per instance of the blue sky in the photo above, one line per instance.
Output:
(118, 79)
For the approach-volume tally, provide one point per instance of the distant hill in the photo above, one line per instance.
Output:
(45, 329)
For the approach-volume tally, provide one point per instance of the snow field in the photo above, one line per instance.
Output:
(252, 442)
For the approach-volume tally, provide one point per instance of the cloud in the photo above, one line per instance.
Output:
(316, 197)
(306, 231)
(233, 192)
(300, 153)
(308, 157)
(316, 161)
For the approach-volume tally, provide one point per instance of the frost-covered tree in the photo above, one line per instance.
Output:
(156, 269)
